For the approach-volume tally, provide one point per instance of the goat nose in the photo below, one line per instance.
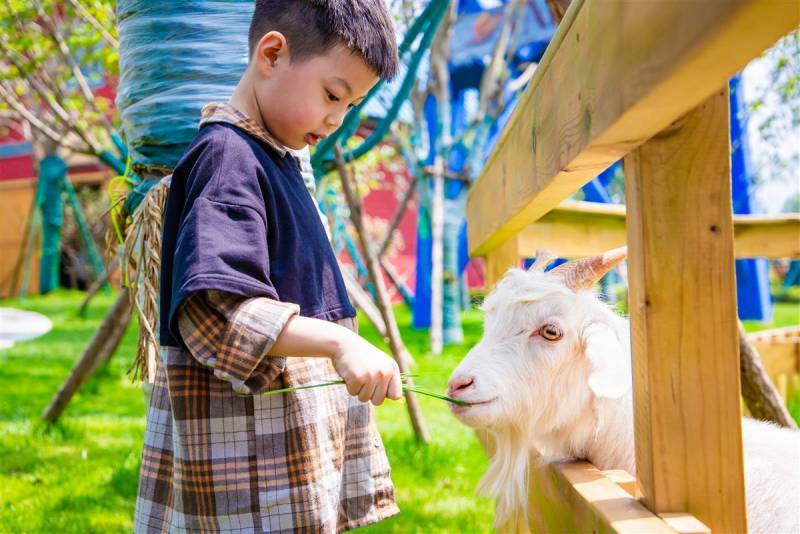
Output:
(457, 385)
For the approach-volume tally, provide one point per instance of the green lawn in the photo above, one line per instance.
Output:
(80, 475)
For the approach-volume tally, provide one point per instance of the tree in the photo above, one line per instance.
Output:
(54, 56)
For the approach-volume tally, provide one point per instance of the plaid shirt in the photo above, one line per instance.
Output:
(221, 456)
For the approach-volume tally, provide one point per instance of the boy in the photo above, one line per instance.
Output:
(252, 300)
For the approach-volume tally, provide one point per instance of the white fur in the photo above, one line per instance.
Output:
(571, 398)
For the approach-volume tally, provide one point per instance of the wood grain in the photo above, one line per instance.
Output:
(609, 81)
(687, 410)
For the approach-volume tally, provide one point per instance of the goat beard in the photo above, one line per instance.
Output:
(506, 479)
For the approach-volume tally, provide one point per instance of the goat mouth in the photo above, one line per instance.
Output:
(456, 409)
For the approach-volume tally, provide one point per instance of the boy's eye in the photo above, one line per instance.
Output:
(332, 97)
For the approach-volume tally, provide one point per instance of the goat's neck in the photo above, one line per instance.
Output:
(601, 433)
(611, 445)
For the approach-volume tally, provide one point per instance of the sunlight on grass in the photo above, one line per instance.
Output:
(80, 475)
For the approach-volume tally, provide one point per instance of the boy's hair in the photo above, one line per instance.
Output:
(312, 27)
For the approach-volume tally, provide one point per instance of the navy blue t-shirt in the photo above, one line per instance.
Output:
(239, 219)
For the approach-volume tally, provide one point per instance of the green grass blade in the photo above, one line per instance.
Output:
(298, 388)
(406, 387)
(435, 395)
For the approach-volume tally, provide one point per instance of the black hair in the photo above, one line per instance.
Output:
(312, 27)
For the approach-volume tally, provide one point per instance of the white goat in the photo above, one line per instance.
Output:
(553, 372)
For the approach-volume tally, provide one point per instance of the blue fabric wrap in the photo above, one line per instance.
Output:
(175, 57)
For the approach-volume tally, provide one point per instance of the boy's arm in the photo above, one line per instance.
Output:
(234, 335)
(231, 335)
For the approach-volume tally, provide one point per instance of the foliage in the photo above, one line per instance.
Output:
(775, 110)
(54, 56)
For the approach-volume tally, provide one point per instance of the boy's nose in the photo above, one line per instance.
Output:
(334, 121)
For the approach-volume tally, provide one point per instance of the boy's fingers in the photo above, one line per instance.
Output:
(395, 391)
(353, 387)
(366, 392)
(380, 392)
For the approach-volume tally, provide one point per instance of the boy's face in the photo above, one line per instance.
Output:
(304, 101)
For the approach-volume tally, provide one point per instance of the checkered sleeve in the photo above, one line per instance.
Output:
(231, 335)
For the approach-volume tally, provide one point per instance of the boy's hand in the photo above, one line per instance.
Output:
(368, 372)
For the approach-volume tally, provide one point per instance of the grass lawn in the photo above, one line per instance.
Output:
(80, 475)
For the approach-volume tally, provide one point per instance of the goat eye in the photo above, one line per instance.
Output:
(550, 332)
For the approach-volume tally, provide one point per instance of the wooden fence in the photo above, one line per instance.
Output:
(646, 82)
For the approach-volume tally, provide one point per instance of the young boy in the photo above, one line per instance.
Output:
(252, 300)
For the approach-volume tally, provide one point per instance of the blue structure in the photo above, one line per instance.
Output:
(474, 37)
(752, 275)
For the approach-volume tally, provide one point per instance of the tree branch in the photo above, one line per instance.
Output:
(8, 96)
(110, 39)
(54, 34)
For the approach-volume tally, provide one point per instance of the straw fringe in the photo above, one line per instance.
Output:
(141, 268)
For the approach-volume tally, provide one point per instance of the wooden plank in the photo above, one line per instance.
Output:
(576, 229)
(685, 523)
(609, 81)
(779, 358)
(785, 334)
(779, 349)
(577, 497)
(500, 260)
(767, 236)
(623, 479)
(683, 317)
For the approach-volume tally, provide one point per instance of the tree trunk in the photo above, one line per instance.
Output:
(393, 333)
(758, 391)
(558, 8)
(99, 350)
(97, 285)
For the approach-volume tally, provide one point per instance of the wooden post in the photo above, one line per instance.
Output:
(683, 318)
(501, 259)
(384, 305)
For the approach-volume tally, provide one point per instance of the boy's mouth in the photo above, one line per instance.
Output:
(313, 139)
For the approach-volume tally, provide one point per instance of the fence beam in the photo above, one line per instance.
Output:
(575, 229)
(609, 81)
(687, 411)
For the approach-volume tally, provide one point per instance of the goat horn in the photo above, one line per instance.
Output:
(584, 273)
(542, 260)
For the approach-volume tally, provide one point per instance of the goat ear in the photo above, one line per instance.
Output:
(609, 372)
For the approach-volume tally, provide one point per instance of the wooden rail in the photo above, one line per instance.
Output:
(647, 82)
(575, 496)
(780, 352)
(575, 229)
(616, 73)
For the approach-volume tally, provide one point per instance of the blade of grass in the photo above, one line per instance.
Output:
(406, 387)
(435, 395)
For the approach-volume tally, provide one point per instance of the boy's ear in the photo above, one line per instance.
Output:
(270, 48)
